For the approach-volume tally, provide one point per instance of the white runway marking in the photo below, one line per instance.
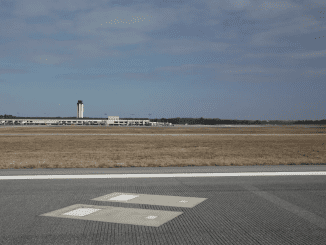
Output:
(181, 134)
(146, 176)
(82, 211)
(123, 198)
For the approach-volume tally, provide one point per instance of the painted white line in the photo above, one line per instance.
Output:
(123, 176)
(180, 134)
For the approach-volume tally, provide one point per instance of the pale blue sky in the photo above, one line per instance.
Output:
(172, 58)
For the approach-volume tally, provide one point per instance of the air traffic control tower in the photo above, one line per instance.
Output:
(80, 109)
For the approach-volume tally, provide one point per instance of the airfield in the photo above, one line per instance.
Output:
(162, 185)
(236, 205)
(104, 146)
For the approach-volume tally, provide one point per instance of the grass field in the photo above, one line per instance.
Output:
(92, 151)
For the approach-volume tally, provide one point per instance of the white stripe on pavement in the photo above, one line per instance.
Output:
(179, 134)
(122, 176)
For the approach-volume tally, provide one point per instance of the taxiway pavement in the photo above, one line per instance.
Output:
(288, 209)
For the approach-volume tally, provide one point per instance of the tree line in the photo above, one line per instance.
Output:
(216, 121)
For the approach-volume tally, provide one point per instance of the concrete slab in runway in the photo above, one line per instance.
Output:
(287, 209)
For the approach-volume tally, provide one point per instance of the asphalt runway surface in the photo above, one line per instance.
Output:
(288, 209)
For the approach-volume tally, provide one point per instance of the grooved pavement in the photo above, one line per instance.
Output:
(234, 210)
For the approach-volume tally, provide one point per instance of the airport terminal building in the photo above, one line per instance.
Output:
(75, 121)
(79, 120)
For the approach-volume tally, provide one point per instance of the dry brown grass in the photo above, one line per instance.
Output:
(87, 151)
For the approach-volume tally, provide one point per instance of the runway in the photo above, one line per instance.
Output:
(286, 208)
